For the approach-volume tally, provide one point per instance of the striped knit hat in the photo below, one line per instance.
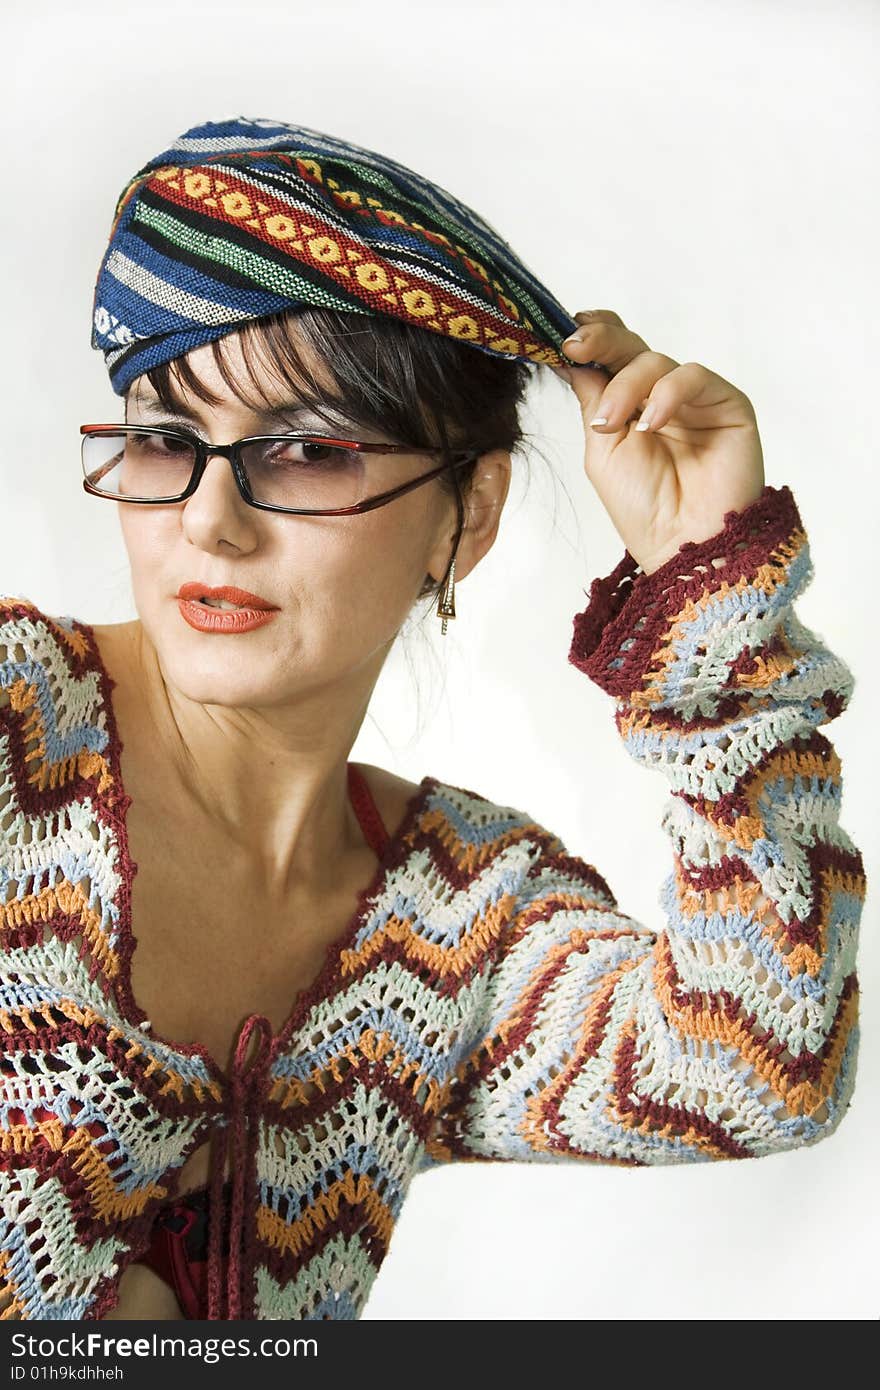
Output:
(241, 219)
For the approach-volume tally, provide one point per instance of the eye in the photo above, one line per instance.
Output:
(311, 453)
(161, 443)
(316, 451)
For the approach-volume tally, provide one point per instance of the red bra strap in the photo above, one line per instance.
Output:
(366, 810)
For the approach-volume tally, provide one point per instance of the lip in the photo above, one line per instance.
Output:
(241, 597)
(224, 620)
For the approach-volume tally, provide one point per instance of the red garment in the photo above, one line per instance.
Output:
(179, 1252)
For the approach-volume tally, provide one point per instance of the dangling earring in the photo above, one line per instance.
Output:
(446, 602)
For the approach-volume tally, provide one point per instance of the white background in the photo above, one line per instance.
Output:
(709, 172)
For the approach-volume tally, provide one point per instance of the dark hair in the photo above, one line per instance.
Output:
(417, 386)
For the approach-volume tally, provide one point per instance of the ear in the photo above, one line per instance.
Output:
(483, 505)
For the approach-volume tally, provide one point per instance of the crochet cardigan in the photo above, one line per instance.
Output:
(488, 999)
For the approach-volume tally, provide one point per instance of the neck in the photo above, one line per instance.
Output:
(269, 783)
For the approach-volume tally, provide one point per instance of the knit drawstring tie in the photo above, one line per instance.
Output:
(239, 1135)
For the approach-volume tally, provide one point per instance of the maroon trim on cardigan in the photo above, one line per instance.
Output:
(238, 1138)
(630, 606)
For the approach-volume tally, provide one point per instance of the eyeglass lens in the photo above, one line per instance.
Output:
(282, 472)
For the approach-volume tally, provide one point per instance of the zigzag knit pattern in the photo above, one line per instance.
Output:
(488, 1000)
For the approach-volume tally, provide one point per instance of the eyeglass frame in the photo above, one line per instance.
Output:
(232, 452)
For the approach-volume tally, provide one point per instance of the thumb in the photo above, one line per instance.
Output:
(588, 381)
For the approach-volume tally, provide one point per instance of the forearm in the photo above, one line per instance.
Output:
(722, 688)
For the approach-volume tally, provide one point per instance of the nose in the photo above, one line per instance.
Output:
(217, 511)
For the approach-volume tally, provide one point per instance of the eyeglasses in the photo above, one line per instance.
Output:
(303, 474)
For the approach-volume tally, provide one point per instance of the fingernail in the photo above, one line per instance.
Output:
(575, 337)
(646, 418)
(599, 420)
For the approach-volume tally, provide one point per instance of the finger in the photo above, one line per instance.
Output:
(611, 344)
(587, 383)
(567, 373)
(625, 391)
(691, 389)
(614, 346)
(607, 315)
(604, 346)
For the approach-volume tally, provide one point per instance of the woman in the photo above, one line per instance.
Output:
(341, 977)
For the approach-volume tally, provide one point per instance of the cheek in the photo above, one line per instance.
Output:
(367, 570)
(148, 543)
(350, 581)
(357, 581)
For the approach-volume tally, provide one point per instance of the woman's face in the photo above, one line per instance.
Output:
(343, 585)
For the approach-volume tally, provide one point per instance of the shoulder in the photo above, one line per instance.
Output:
(392, 794)
(479, 830)
(51, 655)
(395, 796)
(24, 639)
(19, 618)
(471, 824)
(27, 632)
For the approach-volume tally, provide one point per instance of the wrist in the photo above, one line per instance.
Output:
(626, 636)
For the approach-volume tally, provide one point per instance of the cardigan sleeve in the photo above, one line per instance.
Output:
(730, 1031)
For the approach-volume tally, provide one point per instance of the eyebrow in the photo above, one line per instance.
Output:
(285, 410)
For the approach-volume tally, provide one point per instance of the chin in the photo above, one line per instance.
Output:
(217, 670)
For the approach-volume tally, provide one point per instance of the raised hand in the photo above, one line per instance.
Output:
(699, 457)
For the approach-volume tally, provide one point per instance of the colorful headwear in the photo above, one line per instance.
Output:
(241, 219)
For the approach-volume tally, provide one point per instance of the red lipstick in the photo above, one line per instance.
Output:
(250, 611)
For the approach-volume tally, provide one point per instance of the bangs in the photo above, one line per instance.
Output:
(411, 385)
